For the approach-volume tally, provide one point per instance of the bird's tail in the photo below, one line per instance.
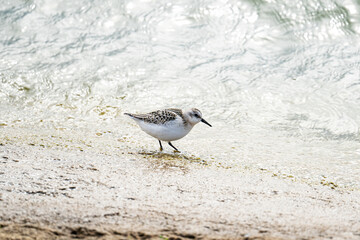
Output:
(135, 116)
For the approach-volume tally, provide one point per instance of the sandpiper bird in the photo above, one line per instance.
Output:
(169, 124)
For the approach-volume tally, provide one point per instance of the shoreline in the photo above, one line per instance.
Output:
(148, 194)
(38, 231)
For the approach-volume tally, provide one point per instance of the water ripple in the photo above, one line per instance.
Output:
(250, 62)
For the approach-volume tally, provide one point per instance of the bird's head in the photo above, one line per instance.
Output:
(194, 116)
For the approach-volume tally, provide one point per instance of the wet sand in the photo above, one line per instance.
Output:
(54, 192)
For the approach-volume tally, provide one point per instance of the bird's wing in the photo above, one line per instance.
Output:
(156, 117)
(175, 110)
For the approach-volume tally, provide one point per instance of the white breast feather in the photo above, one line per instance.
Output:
(170, 131)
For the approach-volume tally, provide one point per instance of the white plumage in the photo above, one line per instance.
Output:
(169, 124)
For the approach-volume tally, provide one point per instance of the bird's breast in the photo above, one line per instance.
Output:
(170, 131)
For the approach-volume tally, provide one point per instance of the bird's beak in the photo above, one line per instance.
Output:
(203, 120)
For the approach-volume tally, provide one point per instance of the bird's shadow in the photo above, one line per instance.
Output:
(171, 161)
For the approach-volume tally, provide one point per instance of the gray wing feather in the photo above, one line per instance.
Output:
(158, 117)
(175, 110)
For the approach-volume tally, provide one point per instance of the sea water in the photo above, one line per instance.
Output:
(278, 80)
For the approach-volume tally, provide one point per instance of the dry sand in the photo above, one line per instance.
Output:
(56, 192)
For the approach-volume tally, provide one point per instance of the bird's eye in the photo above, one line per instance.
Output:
(196, 115)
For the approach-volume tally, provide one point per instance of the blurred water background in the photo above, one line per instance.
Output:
(278, 80)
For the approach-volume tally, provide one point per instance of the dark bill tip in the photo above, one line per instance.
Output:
(203, 120)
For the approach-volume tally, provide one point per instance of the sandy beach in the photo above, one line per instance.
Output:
(73, 190)
(278, 81)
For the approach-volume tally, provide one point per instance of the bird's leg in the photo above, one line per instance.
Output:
(161, 148)
(176, 150)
